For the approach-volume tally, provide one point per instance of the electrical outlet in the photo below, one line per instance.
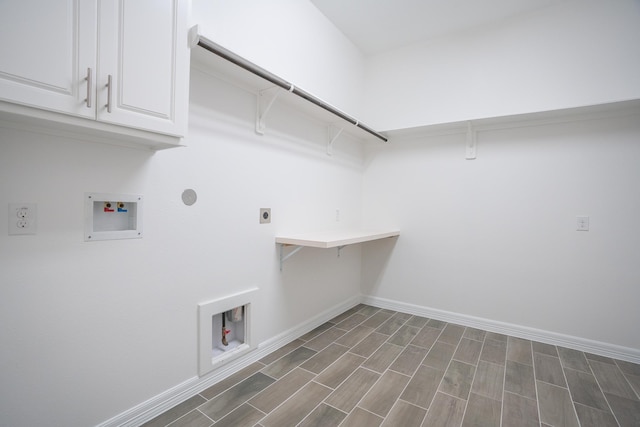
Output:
(22, 218)
(265, 215)
(582, 223)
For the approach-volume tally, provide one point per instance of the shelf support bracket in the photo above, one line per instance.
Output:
(284, 257)
(334, 133)
(472, 143)
(265, 100)
(340, 249)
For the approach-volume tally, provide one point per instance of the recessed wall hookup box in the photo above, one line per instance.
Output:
(224, 329)
(112, 216)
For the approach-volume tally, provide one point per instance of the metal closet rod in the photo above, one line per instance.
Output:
(259, 71)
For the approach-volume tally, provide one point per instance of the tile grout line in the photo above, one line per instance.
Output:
(288, 398)
(226, 389)
(601, 390)
(447, 394)
(384, 418)
(316, 407)
(256, 408)
(445, 373)
(184, 415)
(382, 373)
(412, 404)
(301, 387)
(636, 393)
(370, 370)
(535, 381)
(475, 373)
(626, 378)
(332, 406)
(212, 420)
(405, 386)
(312, 379)
(564, 375)
(504, 381)
(365, 410)
(311, 372)
(246, 402)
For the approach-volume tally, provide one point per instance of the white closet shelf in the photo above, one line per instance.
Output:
(526, 119)
(329, 239)
(268, 87)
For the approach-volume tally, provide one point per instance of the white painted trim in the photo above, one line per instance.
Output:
(286, 337)
(166, 400)
(576, 343)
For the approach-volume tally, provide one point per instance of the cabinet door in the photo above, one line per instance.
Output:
(143, 52)
(46, 50)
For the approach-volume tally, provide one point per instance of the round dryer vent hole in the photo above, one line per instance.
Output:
(189, 197)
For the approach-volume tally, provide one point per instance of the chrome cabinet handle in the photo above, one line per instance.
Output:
(89, 79)
(108, 94)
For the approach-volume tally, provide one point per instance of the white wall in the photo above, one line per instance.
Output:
(292, 39)
(93, 329)
(580, 52)
(496, 237)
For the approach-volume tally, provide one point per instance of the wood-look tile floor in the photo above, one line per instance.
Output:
(373, 367)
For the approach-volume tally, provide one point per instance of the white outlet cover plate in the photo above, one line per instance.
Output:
(582, 223)
(28, 224)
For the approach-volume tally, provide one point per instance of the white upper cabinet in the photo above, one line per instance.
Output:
(46, 49)
(120, 62)
(143, 50)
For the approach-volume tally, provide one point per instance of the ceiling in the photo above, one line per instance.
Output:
(376, 26)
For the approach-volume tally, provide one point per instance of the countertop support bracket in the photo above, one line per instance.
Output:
(284, 257)
(340, 249)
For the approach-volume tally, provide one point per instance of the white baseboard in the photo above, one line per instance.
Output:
(576, 343)
(286, 337)
(166, 400)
